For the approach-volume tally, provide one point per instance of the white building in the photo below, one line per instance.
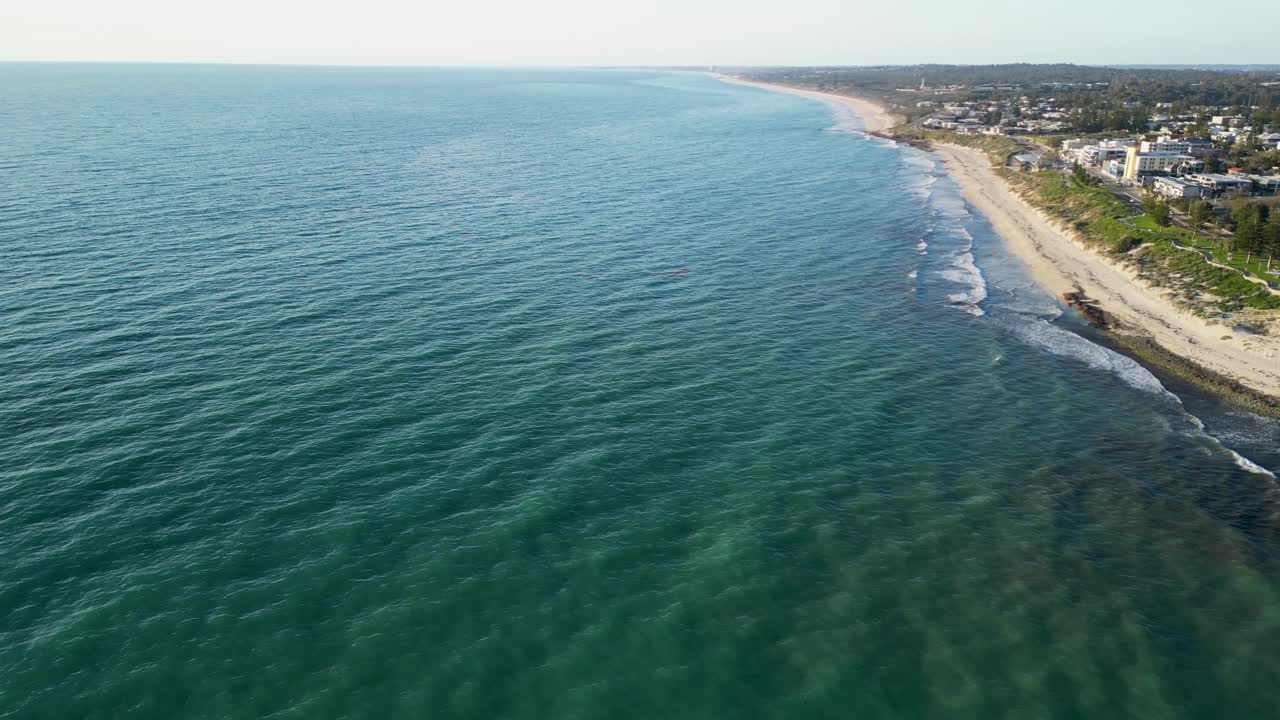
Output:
(1165, 144)
(1216, 184)
(1094, 152)
(1099, 154)
(1176, 188)
(1138, 163)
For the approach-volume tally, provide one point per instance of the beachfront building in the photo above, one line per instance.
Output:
(1102, 153)
(1027, 161)
(1171, 187)
(1138, 164)
(1217, 184)
(1095, 152)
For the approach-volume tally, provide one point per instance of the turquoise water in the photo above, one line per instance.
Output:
(575, 394)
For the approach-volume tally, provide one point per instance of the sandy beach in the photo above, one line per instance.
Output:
(1061, 263)
(874, 117)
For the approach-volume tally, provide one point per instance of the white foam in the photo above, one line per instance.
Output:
(920, 161)
(846, 120)
(1058, 341)
(913, 274)
(964, 271)
(950, 206)
(924, 171)
(924, 188)
(1246, 463)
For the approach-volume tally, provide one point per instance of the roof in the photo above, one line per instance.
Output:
(1219, 178)
(1027, 158)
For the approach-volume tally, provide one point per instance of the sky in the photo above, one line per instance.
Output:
(655, 32)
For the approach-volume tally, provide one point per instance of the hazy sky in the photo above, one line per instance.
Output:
(599, 32)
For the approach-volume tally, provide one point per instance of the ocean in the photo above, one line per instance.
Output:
(340, 392)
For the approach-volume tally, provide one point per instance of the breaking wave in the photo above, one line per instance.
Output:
(964, 271)
(1045, 335)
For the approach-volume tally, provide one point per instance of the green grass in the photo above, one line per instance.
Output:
(1236, 291)
(1237, 260)
(1256, 265)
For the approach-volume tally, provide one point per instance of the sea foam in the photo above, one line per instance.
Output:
(1053, 339)
(964, 271)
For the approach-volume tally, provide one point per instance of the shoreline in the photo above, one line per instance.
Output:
(1242, 367)
(875, 117)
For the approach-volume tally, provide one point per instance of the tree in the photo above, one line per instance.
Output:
(1118, 119)
(1248, 234)
(1139, 119)
(1210, 164)
(1198, 212)
(1160, 213)
(1271, 236)
(1200, 130)
(1249, 219)
(1261, 162)
(1082, 176)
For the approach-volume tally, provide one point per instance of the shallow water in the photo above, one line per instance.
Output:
(334, 392)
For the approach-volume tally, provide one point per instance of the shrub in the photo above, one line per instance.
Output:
(1125, 244)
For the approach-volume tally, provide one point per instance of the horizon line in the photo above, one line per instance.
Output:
(631, 66)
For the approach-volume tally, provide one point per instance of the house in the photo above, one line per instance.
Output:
(1200, 148)
(1027, 161)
